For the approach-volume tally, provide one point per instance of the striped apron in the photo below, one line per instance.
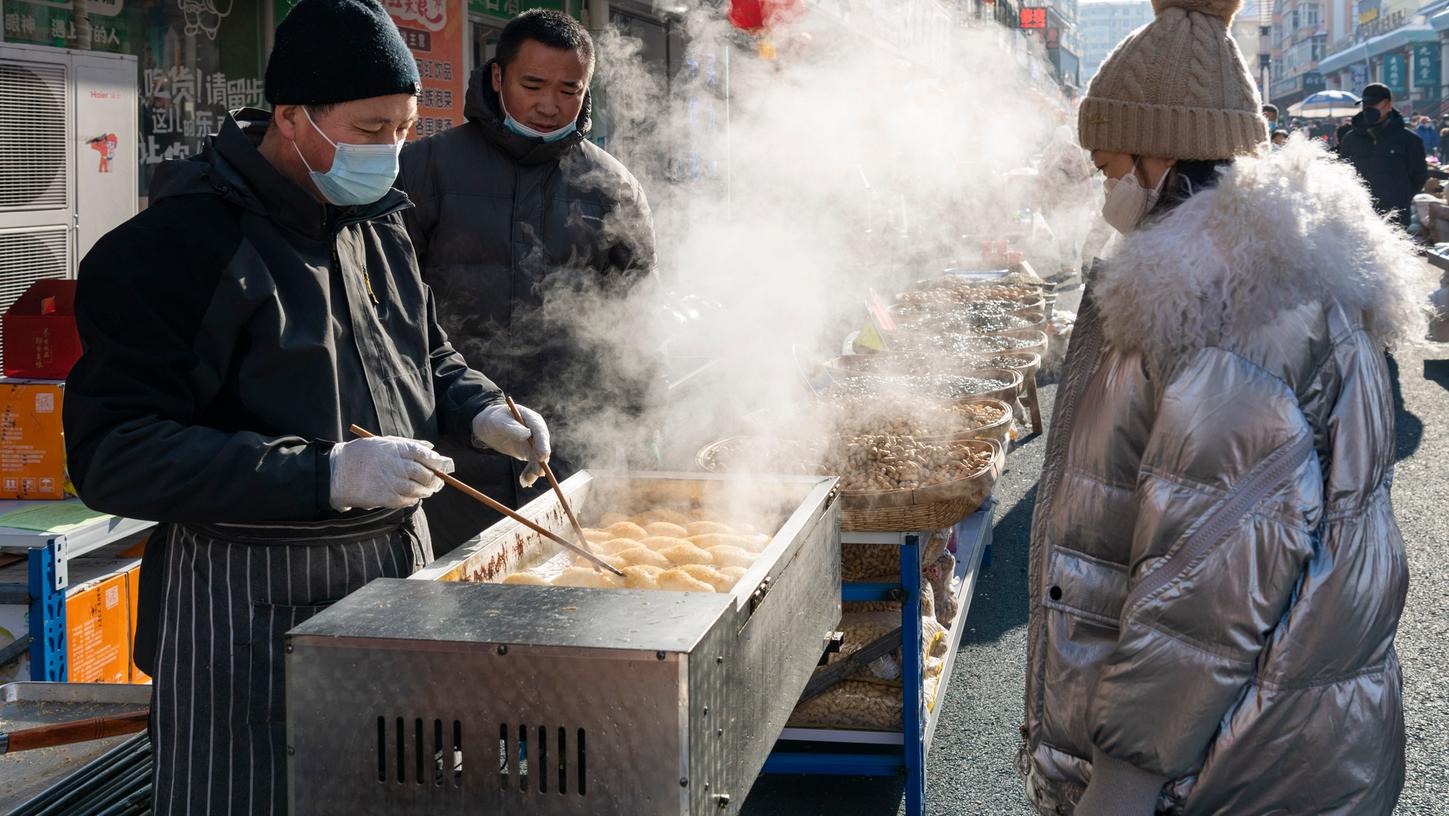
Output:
(218, 711)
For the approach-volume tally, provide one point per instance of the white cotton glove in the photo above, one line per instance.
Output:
(384, 471)
(495, 427)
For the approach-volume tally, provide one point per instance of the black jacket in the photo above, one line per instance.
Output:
(512, 235)
(232, 332)
(1390, 159)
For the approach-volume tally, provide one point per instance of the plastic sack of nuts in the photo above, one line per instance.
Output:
(928, 605)
(852, 704)
(859, 562)
(939, 576)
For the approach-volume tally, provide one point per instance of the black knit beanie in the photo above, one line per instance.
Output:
(328, 51)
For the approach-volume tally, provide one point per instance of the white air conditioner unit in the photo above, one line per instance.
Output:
(68, 159)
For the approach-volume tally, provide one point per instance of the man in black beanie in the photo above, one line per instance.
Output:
(534, 239)
(267, 299)
(1388, 156)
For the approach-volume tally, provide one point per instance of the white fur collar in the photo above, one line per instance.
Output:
(1279, 230)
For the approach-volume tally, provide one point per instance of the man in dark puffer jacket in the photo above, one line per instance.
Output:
(526, 231)
(1386, 154)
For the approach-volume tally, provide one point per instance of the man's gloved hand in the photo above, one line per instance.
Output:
(496, 428)
(384, 471)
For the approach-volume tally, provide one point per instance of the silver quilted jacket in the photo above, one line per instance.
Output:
(1216, 572)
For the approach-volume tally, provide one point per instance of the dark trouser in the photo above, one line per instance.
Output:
(454, 517)
(230, 593)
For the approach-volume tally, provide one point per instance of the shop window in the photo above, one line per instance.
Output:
(197, 59)
(484, 43)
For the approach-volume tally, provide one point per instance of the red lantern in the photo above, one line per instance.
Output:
(757, 15)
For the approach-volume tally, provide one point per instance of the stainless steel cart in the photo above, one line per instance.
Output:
(450, 694)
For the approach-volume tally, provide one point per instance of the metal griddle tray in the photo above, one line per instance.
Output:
(445, 697)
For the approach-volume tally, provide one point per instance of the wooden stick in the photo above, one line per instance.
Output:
(67, 733)
(552, 480)
(449, 480)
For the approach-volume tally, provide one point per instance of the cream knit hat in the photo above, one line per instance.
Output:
(1176, 88)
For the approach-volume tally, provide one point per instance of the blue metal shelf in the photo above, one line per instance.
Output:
(886, 753)
(48, 556)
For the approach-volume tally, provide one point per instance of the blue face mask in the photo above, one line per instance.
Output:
(524, 130)
(360, 174)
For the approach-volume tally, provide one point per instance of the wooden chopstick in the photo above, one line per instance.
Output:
(449, 480)
(552, 480)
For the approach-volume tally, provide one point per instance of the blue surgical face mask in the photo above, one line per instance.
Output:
(360, 174)
(524, 130)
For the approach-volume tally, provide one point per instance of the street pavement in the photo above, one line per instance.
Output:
(971, 766)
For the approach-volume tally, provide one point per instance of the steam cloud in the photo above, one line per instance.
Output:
(865, 155)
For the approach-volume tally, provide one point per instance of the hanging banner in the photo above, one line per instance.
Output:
(433, 30)
(1396, 74)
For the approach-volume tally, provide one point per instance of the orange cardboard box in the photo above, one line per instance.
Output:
(32, 441)
(98, 631)
(133, 590)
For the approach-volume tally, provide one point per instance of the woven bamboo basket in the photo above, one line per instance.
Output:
(998, 431)
(1006, 393)
(1038, 344)
(926, 508)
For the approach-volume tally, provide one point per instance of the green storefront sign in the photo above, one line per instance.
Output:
(1396, 74)
(1426, 68)
(505, 10)
(52, 22)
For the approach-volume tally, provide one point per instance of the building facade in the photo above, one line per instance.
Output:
(1299, 39)
(1103, 24)
(1395, 42)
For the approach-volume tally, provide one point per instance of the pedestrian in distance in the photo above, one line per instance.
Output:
(1270, 112)
(1387, 155)
(1280, 138)
(267, 299)
(1429, 135)
(1215, 571)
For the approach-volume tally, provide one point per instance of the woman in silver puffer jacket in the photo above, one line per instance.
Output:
(1216, 572)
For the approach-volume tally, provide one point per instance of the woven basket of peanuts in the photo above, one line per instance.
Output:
(891, 483)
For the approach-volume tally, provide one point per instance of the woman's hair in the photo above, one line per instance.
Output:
(1186, 178)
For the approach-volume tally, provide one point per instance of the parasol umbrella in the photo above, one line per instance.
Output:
(1326, 105)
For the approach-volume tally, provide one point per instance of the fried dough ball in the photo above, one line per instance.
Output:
(636, 555)
(612, 560)
(658, 543)
(678, 581)
(687, 554)
(708, 540)
(757, 542)
(628, 529)
(734, 573)
(664, 528)
(696, 528)
(642, 576)
(525, 579)
(708, 575)
(590, 578)
(610, 519)
(670, 516)
(594, 536)
(727, 556)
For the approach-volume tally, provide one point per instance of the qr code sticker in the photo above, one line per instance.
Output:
(113, 597)
(45, 403)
